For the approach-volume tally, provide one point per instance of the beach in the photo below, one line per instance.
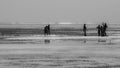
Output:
(65, 47)
(59, 33)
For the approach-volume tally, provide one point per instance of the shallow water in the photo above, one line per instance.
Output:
(66, 53)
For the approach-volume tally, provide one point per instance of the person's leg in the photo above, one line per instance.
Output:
(102, 33)
(44, 31)
(105, 33)
(85, 33)
(98, 32)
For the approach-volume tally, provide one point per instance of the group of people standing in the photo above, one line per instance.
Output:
(47, 30)
(102, 29)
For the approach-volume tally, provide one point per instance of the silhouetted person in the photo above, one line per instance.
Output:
(45, 30)
(84, 29)
(99, 27)
(48, 27)
(103, 29)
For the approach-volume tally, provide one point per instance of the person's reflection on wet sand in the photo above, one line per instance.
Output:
(84, 41)
(46, 41)
(102, 41)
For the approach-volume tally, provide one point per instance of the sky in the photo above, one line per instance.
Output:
(75, 11)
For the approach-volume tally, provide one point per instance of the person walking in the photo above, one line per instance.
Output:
(84, 29)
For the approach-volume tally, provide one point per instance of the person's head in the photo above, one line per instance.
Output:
(99, 25)
(48, 24)
(105, 23)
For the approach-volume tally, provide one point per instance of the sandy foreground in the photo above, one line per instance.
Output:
(60, 54)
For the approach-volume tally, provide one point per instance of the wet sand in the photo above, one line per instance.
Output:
(60, 54)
